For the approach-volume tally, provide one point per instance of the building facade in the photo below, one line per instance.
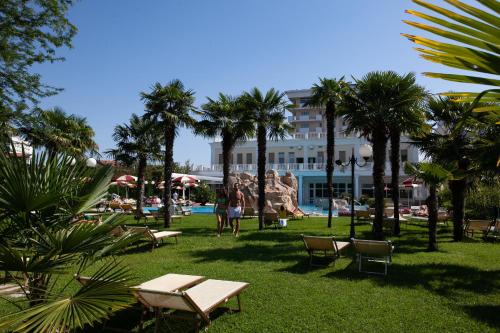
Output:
(304, 154)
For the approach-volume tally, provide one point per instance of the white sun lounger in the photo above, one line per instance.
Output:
(201, 299)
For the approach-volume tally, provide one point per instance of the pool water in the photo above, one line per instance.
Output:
(308, 209)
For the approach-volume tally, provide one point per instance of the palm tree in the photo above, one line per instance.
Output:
(57, 131)
(268, 114)
(405, 117)
(366, 107)
(137, 143)
(170, 107)
(477, 51)
(329, 93)
(228, 118)
(433, 175)
(453, 144)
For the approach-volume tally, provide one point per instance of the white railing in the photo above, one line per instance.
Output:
(252, 168)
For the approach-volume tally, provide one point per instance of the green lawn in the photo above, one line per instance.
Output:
(456, 289)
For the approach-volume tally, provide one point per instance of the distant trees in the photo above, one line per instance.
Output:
(30, 33)
(169, 107)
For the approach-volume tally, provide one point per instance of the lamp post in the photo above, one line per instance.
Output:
(365, 151)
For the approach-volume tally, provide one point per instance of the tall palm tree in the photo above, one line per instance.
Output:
(170, 107)
(453, 145)
(366, 109)
(57, 131)
(328, 94)
(433, 175)
(137, 142)
(228, 118)
(405, 117)
(268, 114)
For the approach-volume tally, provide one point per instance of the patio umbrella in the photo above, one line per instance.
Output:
(185, 179)
(127, 179)
(410, 183)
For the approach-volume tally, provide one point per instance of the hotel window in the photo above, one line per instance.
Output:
(291, 157)
(303, 102)
(239, 158)
(221, 159)
(271, 158)
(367, 189)
(281, 158)
(320, 157)
(342, 155)
(404, 155)
(304, 125)
(249, 158)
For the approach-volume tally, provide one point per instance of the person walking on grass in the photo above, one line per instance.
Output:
(236, 207)
(220, 209)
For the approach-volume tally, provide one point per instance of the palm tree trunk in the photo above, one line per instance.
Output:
(395, 143)
(141, 171)
(261, 172)
(432, 219)
(167, 172)
(330, 153)
(227, 151)
(379, 149)
(457, 188)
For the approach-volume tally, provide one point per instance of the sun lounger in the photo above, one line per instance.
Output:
(373, 251)
(154, 237)
(362, 215)
(326, 245)
(271, 219)
(201, 299)
(472, 226)
(249, 212)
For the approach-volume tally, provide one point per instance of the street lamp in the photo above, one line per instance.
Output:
(91, 162)
(365, 151)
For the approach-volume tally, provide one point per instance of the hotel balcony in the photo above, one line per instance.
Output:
(317, 117)
(252, 168)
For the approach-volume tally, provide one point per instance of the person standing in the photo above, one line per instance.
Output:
(236, 207)
(220, 209)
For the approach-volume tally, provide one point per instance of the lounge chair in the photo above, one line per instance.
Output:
(271, 219)
(328, 245)
(472, 226)
(249, 212)
(201, 299)
(493, 232)
(373, 251)
(154, 237)
(114, 205)
(362, 215)
(159, 215)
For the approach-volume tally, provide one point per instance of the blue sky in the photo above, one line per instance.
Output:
(123, 47)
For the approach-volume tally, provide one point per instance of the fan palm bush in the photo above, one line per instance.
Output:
(473, 46)
(40, 245)
(169, 107)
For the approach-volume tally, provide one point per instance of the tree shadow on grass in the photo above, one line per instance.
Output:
(447, 280)
(488, 314)
(247, 252)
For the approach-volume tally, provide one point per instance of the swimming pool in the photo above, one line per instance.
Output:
(308, 209)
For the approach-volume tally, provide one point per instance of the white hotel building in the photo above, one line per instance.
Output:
(304, 154)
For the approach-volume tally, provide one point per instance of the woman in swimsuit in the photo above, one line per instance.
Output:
(220, 209)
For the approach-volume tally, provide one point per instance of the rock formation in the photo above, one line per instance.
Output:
(280, 190)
